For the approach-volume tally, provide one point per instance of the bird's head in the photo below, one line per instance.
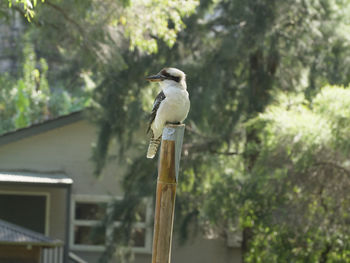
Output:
(169, 75)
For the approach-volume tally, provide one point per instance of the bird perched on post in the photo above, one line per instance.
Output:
(171, 105)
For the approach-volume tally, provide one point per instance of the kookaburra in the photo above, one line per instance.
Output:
(170, 106)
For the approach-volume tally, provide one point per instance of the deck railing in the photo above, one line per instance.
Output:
(52, 255)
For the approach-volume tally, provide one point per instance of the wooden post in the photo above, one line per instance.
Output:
(168, 169)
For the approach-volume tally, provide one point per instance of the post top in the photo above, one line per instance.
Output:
(174, 125)
(171, 131)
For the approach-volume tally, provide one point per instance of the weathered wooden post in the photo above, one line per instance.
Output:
(168, 169)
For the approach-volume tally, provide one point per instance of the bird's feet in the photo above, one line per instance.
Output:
(174, 123)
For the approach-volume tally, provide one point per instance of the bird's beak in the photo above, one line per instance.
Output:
(155, 78)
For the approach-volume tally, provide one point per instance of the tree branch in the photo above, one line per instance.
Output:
(65, 15)
(23, 13)
(208, 146)
(334, 165)
(224, 153)
(191, 130)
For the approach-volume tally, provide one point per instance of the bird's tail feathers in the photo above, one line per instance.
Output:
(152, 147)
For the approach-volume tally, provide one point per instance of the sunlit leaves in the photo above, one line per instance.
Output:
(145, 21)
(28, 99)
(296, 128)
(320, 124)
(22, 103)
(27, 6)
(333, 103)
(300, 181)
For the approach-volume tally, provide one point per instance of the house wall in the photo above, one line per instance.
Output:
(68, 149)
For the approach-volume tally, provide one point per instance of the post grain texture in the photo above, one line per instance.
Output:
(168, 169)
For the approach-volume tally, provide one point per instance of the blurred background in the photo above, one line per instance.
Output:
(265, 166)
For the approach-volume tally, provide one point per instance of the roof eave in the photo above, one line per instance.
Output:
(37, 244)
(41, 127)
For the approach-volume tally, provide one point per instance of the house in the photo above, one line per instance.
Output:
(25, 246)
(47, 186)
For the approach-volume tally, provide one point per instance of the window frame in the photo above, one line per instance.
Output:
(91, 199)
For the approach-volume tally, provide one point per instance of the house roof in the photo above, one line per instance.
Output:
(11, 234)
(30, 177)
(44, 126)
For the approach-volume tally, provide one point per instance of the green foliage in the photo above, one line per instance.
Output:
(265, 149)
(28, 98)
(240, 56)
(157, 19)
(26, 6)
(300, 181)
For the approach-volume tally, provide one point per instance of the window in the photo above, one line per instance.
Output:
(87, 232)
(26, 209)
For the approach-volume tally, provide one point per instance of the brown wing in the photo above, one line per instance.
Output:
(160, 97)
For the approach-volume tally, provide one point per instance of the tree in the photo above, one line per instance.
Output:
(300, 180)
(27, 98)
(100, 32)
(26, 7)
(239, 57)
